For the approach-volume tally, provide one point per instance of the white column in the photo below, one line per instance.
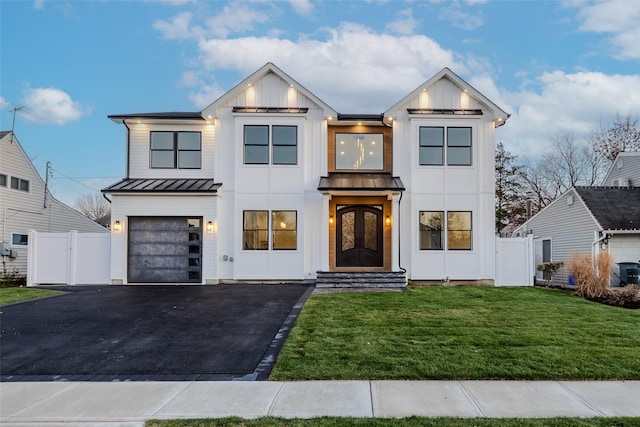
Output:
(395, 230)
(324, 233)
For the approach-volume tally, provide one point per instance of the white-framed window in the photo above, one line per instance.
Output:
(19, 239)
(3, 180)
(458, 226)
(175, 150)
(432, 141)
(259, 233)
(19, 184)
(282, 139)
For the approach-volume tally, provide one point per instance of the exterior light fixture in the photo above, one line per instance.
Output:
(387, 220)
(117, 226)
(210, 227)
(330, 219)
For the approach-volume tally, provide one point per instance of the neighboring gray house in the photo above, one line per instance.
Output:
(587, 220)
(624, 171)
(24, 206)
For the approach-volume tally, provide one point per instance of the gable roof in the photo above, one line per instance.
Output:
(614, 208)
(624, 159)
(499, 115)
(263, 71)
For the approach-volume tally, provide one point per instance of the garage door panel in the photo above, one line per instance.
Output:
(164, 249)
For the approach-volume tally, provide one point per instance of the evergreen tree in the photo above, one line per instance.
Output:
(510, 204)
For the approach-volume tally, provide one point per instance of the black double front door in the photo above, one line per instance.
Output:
(359, 232)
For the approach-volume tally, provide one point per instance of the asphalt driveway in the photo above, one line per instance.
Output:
(143, 333)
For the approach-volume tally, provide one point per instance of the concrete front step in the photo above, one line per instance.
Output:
(385, 279)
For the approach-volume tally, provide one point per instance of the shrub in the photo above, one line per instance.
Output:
(548, 269)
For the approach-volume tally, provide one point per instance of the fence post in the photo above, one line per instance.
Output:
(32, 261)
(72, 270)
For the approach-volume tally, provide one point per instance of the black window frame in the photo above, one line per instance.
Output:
(275, 231)
(269, 146)
(446, 145)
(245, 230)
(424, 145)
(468, 148)
(425, 230)
(175, 149)
(460, 230)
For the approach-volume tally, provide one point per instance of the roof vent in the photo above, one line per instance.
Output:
(621, 182)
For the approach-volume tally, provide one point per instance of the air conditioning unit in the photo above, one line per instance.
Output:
(621, 182)
(13, 253)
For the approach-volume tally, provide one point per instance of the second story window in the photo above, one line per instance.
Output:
(176, 150)
(19, 184)
(359, 151)
(3, 180)
(433, 140)
(283, 141)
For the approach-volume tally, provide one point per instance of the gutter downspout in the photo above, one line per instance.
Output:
(124, 122)
(597, 241)
(404, 270)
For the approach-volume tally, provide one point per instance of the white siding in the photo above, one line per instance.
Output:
(444, 94)
(22, 211)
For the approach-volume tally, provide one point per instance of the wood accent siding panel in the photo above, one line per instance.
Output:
(387, 137)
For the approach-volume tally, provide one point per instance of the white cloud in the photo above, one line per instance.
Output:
(234, 19)
(4, 103)
(178, 28)
(302, 7)
(351, 67)
(575, 103)
(404, 23)
(453, 13)
(619, 19)
(51, 106)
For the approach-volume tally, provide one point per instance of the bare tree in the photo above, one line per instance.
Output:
(622, 135)
(93, 205)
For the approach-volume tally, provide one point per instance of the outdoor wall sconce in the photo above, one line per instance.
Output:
(210, 227)
(330, 219)
(117, 226)
(387, 220)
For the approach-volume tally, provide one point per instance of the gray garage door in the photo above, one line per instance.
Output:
(165, 250)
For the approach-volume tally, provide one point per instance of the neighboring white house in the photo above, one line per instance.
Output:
(24, 206)
(269, 183)
(587, 220)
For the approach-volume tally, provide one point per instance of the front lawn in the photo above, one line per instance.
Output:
(456, 333)
(13, 295)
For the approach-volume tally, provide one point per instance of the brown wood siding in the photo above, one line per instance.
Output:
(365, 200)
(387, 138)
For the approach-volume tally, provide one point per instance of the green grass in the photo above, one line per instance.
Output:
(456, 333)
(13, 295)
(401, 422)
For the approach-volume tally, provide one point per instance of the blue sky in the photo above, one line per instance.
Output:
(557, 67)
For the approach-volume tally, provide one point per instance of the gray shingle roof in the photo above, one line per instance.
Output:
(615, 208)
(360, 181)
(151, 185)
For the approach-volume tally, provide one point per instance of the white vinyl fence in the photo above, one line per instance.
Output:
(514, 261)
(68, 258)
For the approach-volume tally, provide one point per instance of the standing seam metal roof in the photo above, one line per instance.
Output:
(151, 185)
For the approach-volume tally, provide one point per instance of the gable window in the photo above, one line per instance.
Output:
(19, 239)
(19, 184)
(359, 151)
(176, 150)
(433, 139)
(3, 180)
(283, 140)
(257, 232)
(458, 230)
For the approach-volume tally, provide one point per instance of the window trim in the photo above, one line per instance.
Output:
(270, 145)
(274, 145)
(275, 230)
(19, 245)
(245, 145)
(19, 185)
(270, 230)
(175, 149)
(445, 145)
(3, 180)
(444, 237)
(256, 230)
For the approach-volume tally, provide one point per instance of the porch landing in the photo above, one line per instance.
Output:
(361, 279)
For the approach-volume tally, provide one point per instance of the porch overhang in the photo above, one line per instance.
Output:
(157, 186)
(354, 182)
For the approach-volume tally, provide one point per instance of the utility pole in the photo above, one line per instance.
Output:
(13, 124)
(46, 183)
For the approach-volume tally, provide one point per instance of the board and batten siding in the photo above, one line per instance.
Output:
(626, 165)
(569, 225)
(21, 211)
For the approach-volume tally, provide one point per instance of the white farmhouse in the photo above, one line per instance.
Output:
(26, 205)
(269, 183)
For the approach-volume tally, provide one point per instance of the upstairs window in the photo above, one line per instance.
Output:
(434, 139)
(176, 150)
(19, 184)
(3, 180)
(359, 151)
(283, 141)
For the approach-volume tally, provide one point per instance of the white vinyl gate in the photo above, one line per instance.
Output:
(68, 258)
(514, 261)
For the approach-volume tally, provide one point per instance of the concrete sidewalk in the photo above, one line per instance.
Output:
(131, 403)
